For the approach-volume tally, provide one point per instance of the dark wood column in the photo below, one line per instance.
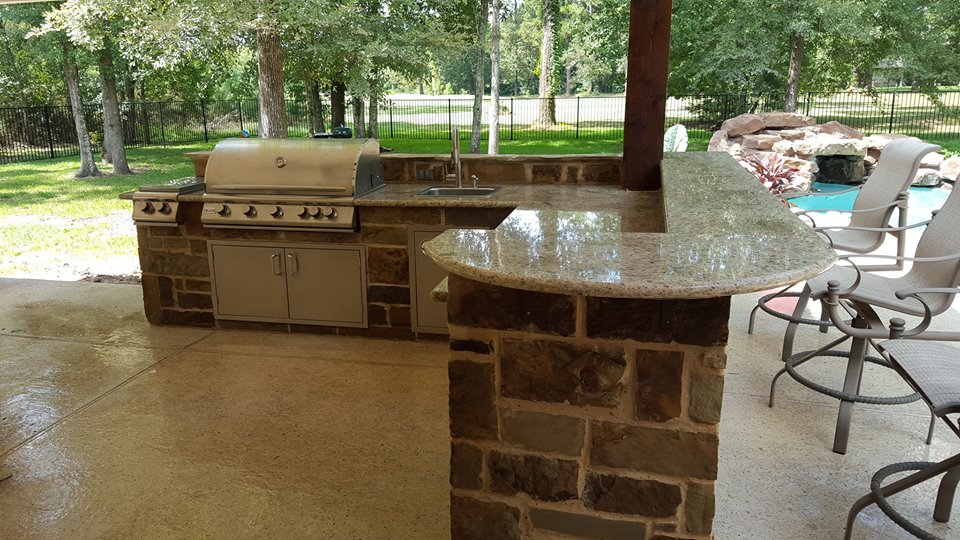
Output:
(647, 68)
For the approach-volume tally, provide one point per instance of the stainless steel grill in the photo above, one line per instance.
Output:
(291, 184)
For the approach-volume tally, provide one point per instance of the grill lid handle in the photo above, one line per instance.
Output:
(250, 188)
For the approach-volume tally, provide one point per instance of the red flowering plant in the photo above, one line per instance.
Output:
(772, 171)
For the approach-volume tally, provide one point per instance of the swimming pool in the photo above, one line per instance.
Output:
(923, 200)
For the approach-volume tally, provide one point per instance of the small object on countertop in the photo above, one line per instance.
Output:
(180, 185)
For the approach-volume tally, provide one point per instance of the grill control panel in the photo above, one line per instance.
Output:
(155, 211)
(291, 216)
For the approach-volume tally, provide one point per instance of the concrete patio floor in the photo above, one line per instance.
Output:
(112, 428)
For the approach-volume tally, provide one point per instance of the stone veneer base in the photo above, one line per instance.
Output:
(564, 424)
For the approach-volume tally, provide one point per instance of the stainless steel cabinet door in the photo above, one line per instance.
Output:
(326, 285)
(250, 281)
(431, 316)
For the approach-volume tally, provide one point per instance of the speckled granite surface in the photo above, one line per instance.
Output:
(724, 235)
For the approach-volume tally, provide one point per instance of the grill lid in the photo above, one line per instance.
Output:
(309, 167)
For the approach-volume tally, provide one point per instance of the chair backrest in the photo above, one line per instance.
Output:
(899, 162)
(941, 238)
(675, 139)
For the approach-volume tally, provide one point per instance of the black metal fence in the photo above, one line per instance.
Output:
(42, 132)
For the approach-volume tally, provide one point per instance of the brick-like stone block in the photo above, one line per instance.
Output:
(475, 304)
(609, 493)
(387, 294)
(659, 385)
(186, 318)
(473, 412)
(393, 235)
(376, 315)
(582, 526)
(190, 214)
(165, 288)
(547, 173)
(478, 218)
(662, 451)
(388, 265)
(693, 322)
(466, 466)
(151, 298)
(198, 247)
(471, 345)
(194, 301)
(472, 519)
(400, 316)
(600, 173)
(706, 398)
(715, 359)
(699, 508)
(559, 372)
(492, 172)
(543, 478)
(543, 432)
(197, 285)
(387, 215)
(174, 264)
(164, 232)
(395, 171)
(176, 244)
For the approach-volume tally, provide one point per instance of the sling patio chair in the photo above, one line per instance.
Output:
(935, 268)
(886, 190)
(930, 368)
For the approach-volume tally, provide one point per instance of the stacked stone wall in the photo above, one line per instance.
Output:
(583, 417)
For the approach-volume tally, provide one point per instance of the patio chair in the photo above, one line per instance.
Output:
(935, 269)
(885, 190)
(675, 139)
(930, 369)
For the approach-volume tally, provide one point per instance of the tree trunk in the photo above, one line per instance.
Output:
(493, 148)
(421, 87)
(373, 126)
(15, 73)
(144, 113)
(548, 107)
(314, 106)
(88, 167)
(129, 111)
(112, 125)
(569, 89)
(359, 127)
(479, 80)
(793, 78)
(338, 104)
(273, 108)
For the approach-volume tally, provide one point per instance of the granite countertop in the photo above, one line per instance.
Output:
(724, 234)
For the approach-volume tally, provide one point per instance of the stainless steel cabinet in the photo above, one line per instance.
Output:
(289, 283)
(429, 316)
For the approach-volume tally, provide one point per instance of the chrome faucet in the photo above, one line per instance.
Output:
(455, 157)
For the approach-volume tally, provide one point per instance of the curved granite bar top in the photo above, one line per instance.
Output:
(724, 234)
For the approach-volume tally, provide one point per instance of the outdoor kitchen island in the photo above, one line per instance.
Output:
(588, 355)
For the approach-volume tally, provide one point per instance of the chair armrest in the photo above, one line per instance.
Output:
(942, 258)
(872, 229)
(904, 293)
(822, 194)
(844, 211)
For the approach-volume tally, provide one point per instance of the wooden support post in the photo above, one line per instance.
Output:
(648, 61)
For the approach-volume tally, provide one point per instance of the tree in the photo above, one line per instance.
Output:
(113, 145)
(479, 80)
(273, 108)
(88, 167)
(493, 147)
(548, 106)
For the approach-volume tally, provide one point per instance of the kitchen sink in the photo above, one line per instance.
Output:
(440, 191)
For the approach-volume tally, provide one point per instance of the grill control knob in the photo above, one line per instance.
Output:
(250, 211)
(330, 212)
(146, 207)
(223, 210)
(165, 208)
(304, 213)
(316, 212)
(277, 212)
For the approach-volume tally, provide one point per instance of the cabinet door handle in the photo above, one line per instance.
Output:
(277, 270)
(293, 265)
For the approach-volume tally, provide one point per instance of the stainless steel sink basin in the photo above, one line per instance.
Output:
(440, 191)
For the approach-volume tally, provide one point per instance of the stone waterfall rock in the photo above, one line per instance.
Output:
(743, 125)
(950, 168)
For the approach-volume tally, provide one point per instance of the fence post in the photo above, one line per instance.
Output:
(450, 117)
(240, 112)
(726, 107)
(390, 108)
(513, 114)
(893, 103)
(46, 120)
(578, 117)
(163, 127)
(203, 111)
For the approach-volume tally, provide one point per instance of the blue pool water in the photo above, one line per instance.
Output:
(923, 201)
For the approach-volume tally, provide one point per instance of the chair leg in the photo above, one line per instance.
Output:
(791, 332)
(857, 507)
(824, 317)
(753, 317)
(948, 488)
(933, 424)
(851, 385)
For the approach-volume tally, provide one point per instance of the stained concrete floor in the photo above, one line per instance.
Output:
(112, 428)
